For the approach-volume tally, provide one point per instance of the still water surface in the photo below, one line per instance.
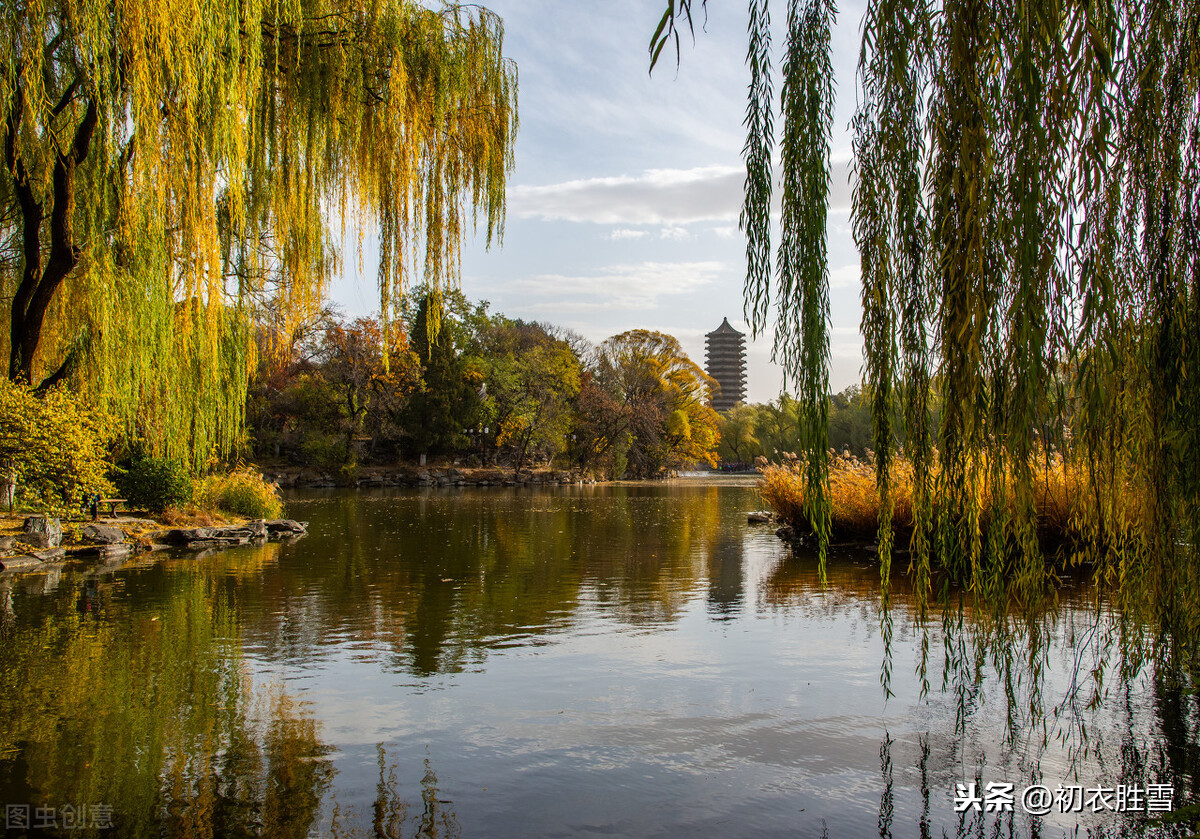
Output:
(623, 660)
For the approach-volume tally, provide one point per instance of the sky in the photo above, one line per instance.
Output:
(623, 206)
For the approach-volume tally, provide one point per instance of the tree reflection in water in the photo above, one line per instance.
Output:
(132, 689)
(1074, 715)
(886, 805)
(726, 587)
(392, 816)
(151, 713)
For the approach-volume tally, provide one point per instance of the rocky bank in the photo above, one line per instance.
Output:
(33, 542)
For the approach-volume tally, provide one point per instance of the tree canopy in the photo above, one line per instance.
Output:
(489, 391)
(531, 381)
(169, 168)
(657, 407)
(448, 402)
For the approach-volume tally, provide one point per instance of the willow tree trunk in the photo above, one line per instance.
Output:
(41, 276)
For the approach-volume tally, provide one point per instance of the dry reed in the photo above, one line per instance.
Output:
(1060, 501)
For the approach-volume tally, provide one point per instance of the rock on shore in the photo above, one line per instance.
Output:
(211, 537)
(111, 541)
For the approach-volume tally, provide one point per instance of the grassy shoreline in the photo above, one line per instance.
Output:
(1061, 507)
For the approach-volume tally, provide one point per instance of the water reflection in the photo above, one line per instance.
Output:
(632, 660)
(393, 815)
(886, 805)
(133, 716)
(726, 587)
(437, 579)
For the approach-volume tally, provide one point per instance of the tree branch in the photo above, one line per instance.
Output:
(68, 366)
(67, 96)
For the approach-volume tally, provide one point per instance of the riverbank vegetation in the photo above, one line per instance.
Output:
(487, 391)
(241, 492)
(339, 395)
(59, 454)
(1061, 502)
(52, 447)
(770, 430)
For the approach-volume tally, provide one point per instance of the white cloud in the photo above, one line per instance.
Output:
(669, 197)
(675, 232)
(847, 276)
(726, 231)
(626, 233)
(633, 287)
(659, 196)
(588, 104)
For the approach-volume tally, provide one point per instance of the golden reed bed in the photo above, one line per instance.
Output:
(1062, 499)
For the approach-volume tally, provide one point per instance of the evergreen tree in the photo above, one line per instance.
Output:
(448, 402)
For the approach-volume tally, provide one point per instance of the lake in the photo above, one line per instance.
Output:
(625, 660)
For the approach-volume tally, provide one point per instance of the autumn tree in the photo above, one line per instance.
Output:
(342, 390)
(738, 434)
(850, 421)
(287, 354)
(373, 381)
(532, 379)
(662, 398)
(599, 426)
(168, 168)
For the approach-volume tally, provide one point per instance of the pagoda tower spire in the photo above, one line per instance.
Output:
(726, 362)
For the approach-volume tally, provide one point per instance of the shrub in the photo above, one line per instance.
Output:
(783, 491)
(242, 492)
(323, 451)
(52, 446)
(155, 483)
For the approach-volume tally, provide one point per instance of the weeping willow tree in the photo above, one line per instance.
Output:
(1025, 206)
(1027, 212)
(170, 169)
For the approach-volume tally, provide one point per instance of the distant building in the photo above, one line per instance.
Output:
(726, 353)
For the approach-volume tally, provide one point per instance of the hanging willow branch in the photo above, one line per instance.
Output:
(213, 144)
(1045, 227)
(760, 138)
(1026, 212)
(802, 318)
(801, 286)
(891, 230)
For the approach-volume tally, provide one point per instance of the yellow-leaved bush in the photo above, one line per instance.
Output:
(242, 492)
(52, 446)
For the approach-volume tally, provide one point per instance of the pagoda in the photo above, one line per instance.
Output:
(726, 353)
